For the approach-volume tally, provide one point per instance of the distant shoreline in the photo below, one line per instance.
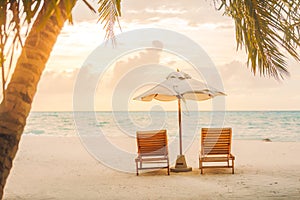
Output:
(176, 111)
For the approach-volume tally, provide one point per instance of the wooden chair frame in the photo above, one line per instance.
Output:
(216, 147)
(152, 149)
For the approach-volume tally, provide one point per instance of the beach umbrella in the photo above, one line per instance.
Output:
(180, 86)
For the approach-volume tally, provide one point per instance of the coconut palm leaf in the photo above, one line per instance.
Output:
(16, 14)
(109, 11)
(266, 29)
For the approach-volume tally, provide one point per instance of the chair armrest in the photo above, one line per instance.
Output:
(231, 156)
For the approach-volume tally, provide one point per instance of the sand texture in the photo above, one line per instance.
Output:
(61, 168)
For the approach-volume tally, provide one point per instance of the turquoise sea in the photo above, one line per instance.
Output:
(246, 125)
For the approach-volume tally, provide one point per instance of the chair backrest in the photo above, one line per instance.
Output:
(216, 141)
(152, 143)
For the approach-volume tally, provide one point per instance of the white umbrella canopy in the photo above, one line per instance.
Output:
(177, 86)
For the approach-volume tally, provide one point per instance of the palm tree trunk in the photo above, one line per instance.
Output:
(20, 92)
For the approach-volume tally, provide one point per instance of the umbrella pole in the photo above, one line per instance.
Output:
(180, 165)
(180, 128)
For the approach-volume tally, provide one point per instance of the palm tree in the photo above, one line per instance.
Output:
(49, 17)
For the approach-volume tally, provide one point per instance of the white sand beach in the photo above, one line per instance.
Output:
(60, 168)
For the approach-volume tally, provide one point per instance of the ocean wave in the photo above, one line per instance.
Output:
(247, 125)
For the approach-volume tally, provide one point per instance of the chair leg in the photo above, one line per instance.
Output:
(168, 167)
(137, 168)
(201, 166)
(232, 166)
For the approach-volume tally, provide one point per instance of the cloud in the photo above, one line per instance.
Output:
(244, 91)
(193, 11)
(121, 79)
(53, 82)
(238, 77)
(82, 13)
(196, 19)
(55, 91)
(248, 92)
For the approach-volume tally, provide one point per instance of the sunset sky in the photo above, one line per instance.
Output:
(197, 20)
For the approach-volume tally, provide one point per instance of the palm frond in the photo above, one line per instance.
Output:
(13, 15)
(109, 11)
(89, 6)
(265, 29)
(30, 9)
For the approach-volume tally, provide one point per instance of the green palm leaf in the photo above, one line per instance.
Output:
(15, 14)
(109, 11)
(266, 29)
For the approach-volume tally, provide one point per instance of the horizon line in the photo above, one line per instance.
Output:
(166, 110)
